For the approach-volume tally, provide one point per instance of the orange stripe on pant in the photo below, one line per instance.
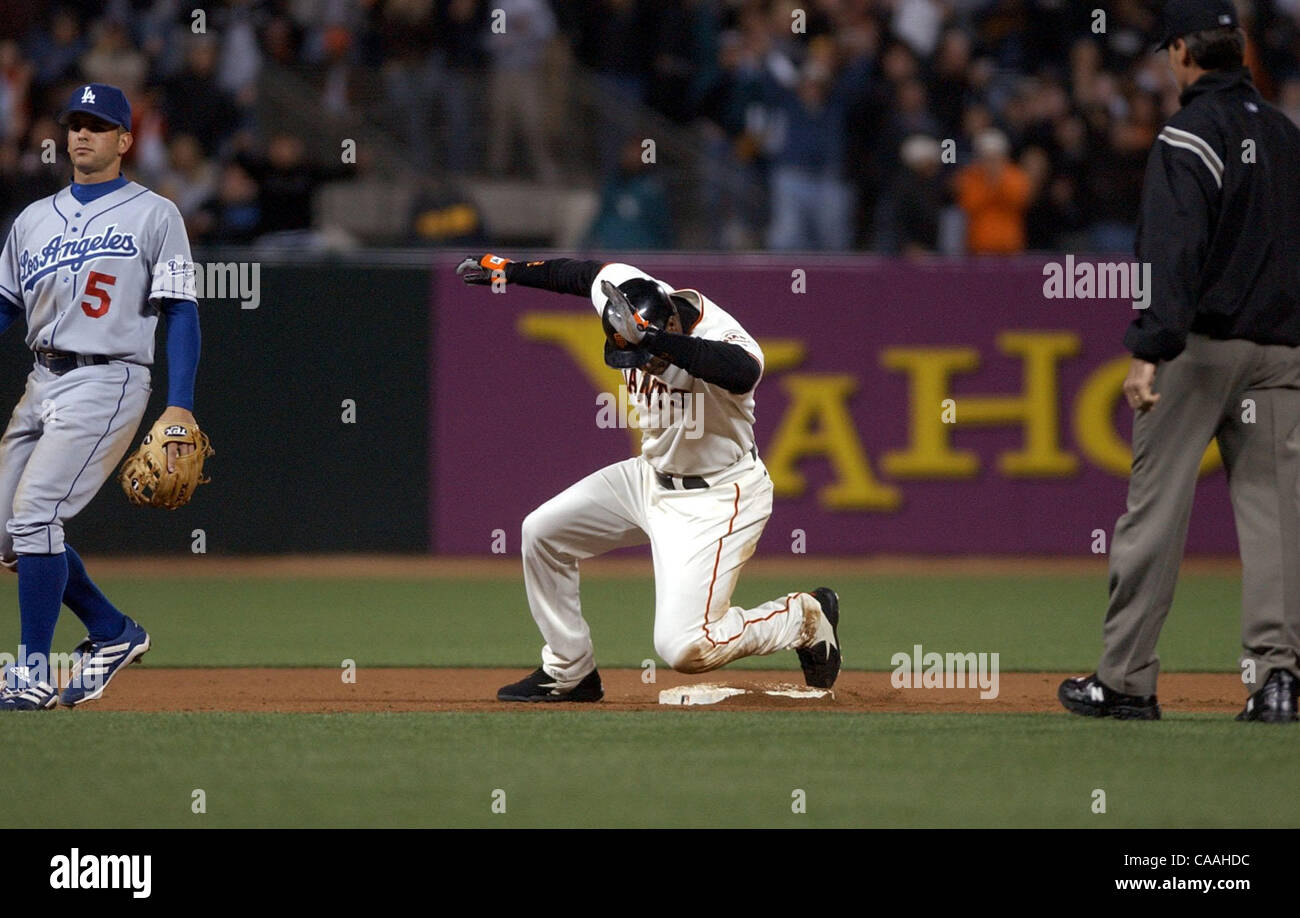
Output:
(708, 603)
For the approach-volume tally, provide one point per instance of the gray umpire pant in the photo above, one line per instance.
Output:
(1246, 396)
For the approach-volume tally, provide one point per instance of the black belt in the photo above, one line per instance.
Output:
(690, 482)
(60, 362)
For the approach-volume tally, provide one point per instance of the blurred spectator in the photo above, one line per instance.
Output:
(194, 104)
(286, 181)
(15, 80)
(24, 175)
(514, 97)
(55, 49)
(190, 179)
(461, 29)
(237, 23)
(633, 207)
(812, 205)
(911, 206)
(411, 74)
(993, 193)
(232, 216)
(113, 59)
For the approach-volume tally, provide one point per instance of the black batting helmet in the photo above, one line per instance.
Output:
(652, 307)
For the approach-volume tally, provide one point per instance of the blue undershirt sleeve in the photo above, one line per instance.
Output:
(183, 341)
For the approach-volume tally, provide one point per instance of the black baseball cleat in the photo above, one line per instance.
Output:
(538, 686)
(820, 659)
(1089, 696)
(1275, 701)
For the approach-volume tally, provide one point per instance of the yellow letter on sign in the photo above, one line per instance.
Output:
(817, 423)
(1035, 409)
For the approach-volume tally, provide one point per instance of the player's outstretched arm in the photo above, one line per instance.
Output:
(558, 275)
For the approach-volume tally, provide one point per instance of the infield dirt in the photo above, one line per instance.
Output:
(322, 690)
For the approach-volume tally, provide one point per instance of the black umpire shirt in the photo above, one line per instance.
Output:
(1220, 222)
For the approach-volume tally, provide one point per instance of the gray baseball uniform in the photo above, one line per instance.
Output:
(90, 278)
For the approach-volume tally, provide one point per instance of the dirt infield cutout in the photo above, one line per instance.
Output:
(320, 690)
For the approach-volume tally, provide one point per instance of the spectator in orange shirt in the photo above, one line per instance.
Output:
(994, 193)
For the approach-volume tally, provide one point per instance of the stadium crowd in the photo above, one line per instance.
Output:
(985, 126)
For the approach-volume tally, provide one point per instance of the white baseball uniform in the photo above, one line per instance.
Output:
(700, 537)
(89, 278)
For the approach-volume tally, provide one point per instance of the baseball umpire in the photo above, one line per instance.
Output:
(90, 269)
(1216, 355)
(698, 492)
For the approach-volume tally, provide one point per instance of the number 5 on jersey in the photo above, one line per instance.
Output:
(94, 289)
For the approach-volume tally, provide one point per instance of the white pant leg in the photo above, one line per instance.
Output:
(91, 414)
(701, 540)
(601, 512)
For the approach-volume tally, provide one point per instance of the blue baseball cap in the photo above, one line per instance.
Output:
(101, 100)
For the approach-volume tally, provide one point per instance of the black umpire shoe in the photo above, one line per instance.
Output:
(1275, 701)
(821, 658)
(537, 686)
(1087, 695)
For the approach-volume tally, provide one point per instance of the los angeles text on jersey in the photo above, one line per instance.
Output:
(103, 871)
(72, 254)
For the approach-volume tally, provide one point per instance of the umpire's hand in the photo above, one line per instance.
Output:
(1137, 385)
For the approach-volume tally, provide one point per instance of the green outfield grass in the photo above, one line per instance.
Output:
(1037, 622)
(671, 769)
(675, 768)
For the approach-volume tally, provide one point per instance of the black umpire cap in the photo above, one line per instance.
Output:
(1182, 17)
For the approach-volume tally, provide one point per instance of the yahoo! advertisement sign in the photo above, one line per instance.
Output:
(954, 407)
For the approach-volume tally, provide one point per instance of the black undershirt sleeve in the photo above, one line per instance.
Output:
(720, 363)
(559, 275)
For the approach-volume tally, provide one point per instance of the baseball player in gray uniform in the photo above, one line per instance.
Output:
(90, 269)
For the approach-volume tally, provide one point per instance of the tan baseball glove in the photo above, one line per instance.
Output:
(144, 474)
